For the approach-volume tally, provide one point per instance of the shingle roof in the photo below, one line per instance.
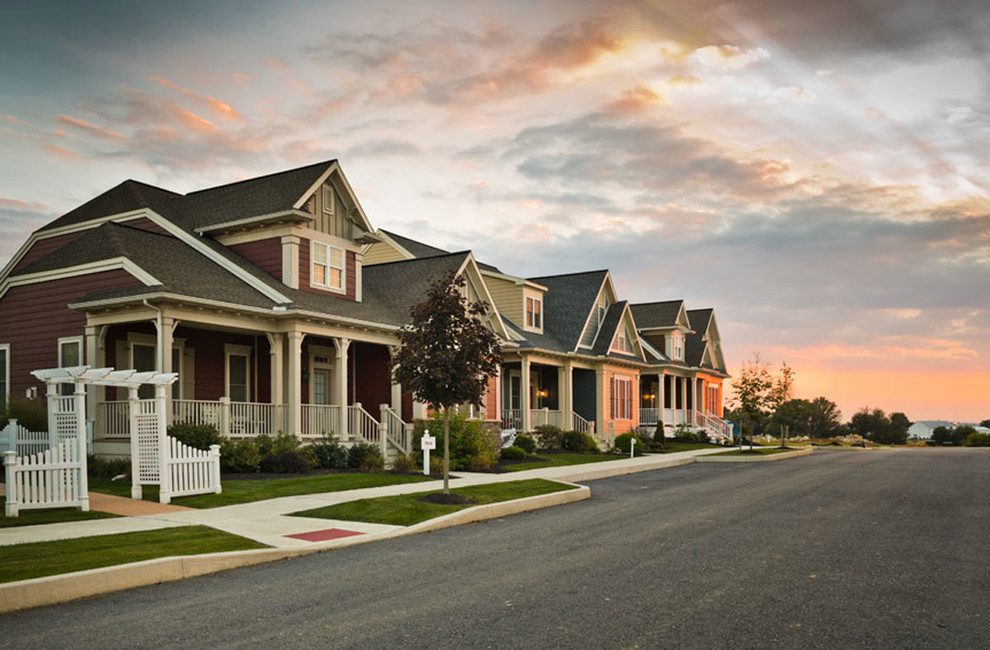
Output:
(179, 267)
(129, 195)
(416, 248)
(694, 344)
(400, 285)
(607, 331)
(656, 314)
(567, 303)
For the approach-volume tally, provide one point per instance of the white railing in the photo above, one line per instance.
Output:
(362, 425)
(512, 419)
(320, 419)
(190, 471)
(198, 411)
(22, 442)
(538, 417)
(668, 416)
(648, 416)
(255, 418)
(398, 432)
(112, 419)
(54, 478)
(721, 428)
(578, 423)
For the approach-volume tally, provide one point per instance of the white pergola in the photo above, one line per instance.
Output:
(67, 418)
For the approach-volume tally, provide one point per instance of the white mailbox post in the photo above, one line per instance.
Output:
(632, 447)
(427, 442)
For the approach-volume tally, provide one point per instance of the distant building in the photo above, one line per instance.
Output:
(924, 428)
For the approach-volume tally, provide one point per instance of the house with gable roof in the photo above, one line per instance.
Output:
(256, 293)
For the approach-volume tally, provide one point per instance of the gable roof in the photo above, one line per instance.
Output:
(658, 315)
(695, 343)
(126, 197)
(415, 248)
(567, 304)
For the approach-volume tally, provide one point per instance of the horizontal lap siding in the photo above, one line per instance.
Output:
(266, 253)
(43, 247)
(33, 317)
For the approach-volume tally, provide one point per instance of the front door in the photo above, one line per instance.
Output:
(321, 387)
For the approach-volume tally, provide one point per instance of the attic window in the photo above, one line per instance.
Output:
(677, 346)
(328, 200)
(328, 267)
(534, 313)
(622, 343)
(602, 309)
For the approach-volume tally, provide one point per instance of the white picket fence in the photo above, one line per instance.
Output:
(189, 471)
(53, 478)
(19, 440)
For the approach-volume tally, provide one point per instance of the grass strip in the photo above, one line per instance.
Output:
(39, 559)
(560, 460)
(761, 451)
(56, 516)
(407, 509)
(261, 489)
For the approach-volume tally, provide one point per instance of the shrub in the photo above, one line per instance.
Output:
(284, 462)
(32, 414)
(372, 463)
(199, 436)
(579, 442)
(548, 436)
(406, 464)
(239, 456)
(622, 442)
(268, 445)
(358, 454)
(977, 439)
(526, 443)
(472, 445)
(329, 453)
(513, 453)
(99, 467)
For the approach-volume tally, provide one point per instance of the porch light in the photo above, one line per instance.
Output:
(541, 393)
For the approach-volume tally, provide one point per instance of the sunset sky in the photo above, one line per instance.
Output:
(815, 171)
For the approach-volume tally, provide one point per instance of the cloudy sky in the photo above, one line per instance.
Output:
(815, 171)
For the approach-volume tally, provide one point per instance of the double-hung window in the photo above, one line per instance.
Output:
(69, 356)
(238, 373)
(534, 313)
(677, 346)
(328, 267)
(621, 398)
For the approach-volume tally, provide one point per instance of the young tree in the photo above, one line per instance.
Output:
(826, 418)
(899, 425)
(758, 392)
(447, 353)
(875, 425)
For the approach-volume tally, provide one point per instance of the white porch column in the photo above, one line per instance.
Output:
(497, 397)
(660, 397)
(396, 398)
(275, 363)
(294, 382)
(565, 377)
(682, 389)
(600, 400)
(340, 383)
(96, 359)
(166, 328)
(524, 395)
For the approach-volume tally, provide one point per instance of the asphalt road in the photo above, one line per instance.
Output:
(840, 549)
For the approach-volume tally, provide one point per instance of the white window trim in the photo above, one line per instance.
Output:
(178, 345)
(343, 268)
(328, 206)
(230, 350)
(67, 340)
(677, 346)
(5, 347)
(538, 301)
(619, 407)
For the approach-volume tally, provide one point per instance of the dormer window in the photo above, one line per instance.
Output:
(328, 267)
(622, 342)
(677, 346)
(534, 313)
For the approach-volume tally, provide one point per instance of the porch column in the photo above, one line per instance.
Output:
(660, 397)
(294, 383)
(340, 383)
(396, 399)
(166, 328)
(565, 378)
(497, 397)
(275, 351)
(682, 390)
(524, 395)
(96, 359)
(600, 400)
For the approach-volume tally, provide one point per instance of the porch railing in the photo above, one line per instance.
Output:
(648, 416)
(230, 418)
(398, 432)
(512, 419)
(363, 425)
(319, 419)
(578, 423)
(539, 417)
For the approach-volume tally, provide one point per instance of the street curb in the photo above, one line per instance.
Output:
(51, 590)
(755, 459)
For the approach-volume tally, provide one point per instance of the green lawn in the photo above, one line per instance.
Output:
(57, 516)
(559, 460)
(407, 509)
(24, 561)
(763, 451)
(674, 447)
(261, 489)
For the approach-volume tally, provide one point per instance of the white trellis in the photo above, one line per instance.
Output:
(58, 478)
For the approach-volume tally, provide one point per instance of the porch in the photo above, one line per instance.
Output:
(541, 393)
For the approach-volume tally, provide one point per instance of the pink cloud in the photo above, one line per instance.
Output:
(89, 128)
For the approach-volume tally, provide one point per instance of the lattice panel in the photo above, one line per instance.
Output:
(147, 441)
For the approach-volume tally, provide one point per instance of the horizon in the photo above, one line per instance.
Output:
(814, 173)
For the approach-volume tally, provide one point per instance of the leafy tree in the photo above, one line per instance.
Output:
(985, 423)
(447, 353)
(758, 392)
(942, 435)
(876, 426)
(961, 432)
(899, 425)
(826, 419)
(796, 415)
